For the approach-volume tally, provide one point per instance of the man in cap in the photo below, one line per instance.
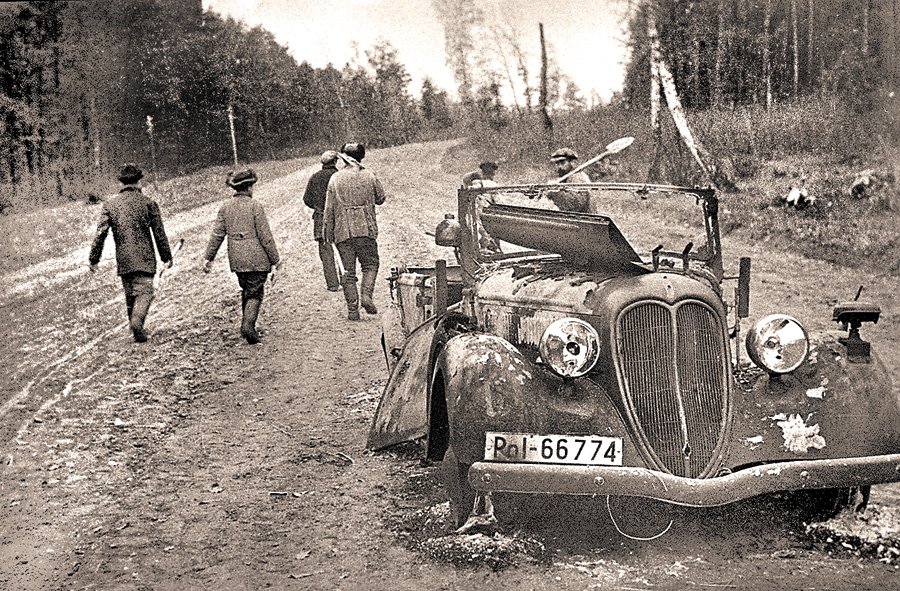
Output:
(314, 198)
(353, 192)
(483, 177)
(136, 225)
(251, 248)
(569, 200)
(565, 159)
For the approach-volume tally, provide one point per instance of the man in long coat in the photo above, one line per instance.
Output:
(353, 192)
(314, 198)
(136, 225)
(251, 248)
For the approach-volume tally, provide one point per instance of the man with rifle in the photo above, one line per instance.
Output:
(350, 224)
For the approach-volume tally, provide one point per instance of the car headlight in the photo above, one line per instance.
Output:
(570, 347)
(778, 344)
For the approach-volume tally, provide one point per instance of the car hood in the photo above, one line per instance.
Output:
(553, 285)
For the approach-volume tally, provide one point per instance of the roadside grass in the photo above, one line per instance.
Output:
(836, 227)
(44, 233)
(765, 152)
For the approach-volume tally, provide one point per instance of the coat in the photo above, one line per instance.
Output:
(353, 192)
(314, 197)
(579, 201)
(136, 225)
(251, 246)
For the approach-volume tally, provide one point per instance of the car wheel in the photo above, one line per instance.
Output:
(823, 504)
(455, 476)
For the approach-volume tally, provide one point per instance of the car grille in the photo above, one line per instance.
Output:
(672, 361)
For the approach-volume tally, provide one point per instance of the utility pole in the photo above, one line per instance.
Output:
(95, 135)
(152, 147)
(233, 140)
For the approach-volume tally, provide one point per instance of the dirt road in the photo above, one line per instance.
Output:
(196, 461)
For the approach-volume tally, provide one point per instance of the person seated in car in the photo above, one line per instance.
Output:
(579, 201)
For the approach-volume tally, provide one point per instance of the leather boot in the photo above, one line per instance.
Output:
(352, 296)
(248, 322)
(138, 316)
(367, 289)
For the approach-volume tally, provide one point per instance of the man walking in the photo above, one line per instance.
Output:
(251, 248)
(353, 192)
(136, 225)
(314, 198)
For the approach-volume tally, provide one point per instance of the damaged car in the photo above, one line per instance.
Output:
(555, 357)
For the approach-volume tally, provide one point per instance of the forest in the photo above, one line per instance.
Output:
(86, 86)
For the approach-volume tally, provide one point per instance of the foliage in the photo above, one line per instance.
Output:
(764, 51)
(86, 86)
(819, 138)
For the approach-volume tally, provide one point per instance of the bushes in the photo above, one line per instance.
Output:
(768, 152)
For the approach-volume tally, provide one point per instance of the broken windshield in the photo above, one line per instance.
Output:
(614, 224)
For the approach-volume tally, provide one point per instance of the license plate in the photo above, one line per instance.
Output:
(581, 450)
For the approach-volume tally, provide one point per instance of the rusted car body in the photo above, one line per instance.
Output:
(554, 359)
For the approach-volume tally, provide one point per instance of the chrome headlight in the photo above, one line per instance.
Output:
(570, 347)
(778, 344)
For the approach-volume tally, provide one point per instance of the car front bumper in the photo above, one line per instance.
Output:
(709, 492)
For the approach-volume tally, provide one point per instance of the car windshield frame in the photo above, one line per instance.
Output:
(474, 202)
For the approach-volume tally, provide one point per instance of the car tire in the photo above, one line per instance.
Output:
(455, 476)
(823, 504)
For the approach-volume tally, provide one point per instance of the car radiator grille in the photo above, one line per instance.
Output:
(673, 363)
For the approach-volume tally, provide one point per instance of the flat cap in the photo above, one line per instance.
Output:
(329, 156)
(563, 154)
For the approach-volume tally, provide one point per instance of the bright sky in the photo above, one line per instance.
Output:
(586, 34)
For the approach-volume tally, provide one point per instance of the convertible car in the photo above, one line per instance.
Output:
(555, 357)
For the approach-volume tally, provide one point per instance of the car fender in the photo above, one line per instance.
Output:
(403, 411)
(482, 383)
(828, 408)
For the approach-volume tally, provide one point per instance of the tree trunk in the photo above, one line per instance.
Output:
(667, 82)
(499, 39)
(796, 85)
(720, 56)
(545, 114)
(766, 54)
(894, 18)
(865, 28)
(695, 72)
(810, 77)
(653, 174)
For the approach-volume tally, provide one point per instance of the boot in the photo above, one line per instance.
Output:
(352, 297)
(367, 289)
(248, 322)
(138, 316)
